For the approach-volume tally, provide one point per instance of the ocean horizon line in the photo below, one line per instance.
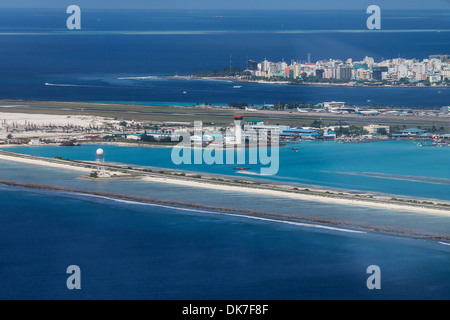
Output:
(216, 32)
(190, 9)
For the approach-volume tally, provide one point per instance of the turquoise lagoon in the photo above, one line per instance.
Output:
(390, 167)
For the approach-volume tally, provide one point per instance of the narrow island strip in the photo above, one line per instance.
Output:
(124, 171)
(306, 197)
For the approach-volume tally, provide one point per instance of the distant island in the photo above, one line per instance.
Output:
(434, 71)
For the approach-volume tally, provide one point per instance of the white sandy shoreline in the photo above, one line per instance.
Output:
(44, 163)
(304, 197)
(247, 189)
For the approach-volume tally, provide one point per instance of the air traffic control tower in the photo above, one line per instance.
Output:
(238, 121)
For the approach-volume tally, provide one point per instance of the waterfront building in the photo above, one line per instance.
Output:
(379, 75)
(328, 73)
(416, 72)
(303, 133)
(265, 65)
(278, 67)
(214, 138)
(445, 73)
(260, 127)
(373, 128)
(402, 71)
(369, 61)
(342, 72)
(295, 70)
(442, 57)
(35, 141)
(201, 138)
(319, 73)
(252, 65)
(329, 135)
(413, 131)
(255, 122)
(136, 137)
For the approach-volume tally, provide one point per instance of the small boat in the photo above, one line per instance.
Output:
(237, 87)
(241, 169)
(294, 149)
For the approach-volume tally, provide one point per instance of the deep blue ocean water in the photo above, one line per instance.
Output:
(133, 251)
(85, 65)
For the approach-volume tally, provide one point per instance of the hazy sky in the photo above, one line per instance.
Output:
(229, 4)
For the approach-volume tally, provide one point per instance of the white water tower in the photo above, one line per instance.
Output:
(100, 159)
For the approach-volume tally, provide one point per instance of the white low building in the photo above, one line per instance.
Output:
(329, 135)
(201, 138)
(373, 128)
(35, 142)
(134, 137)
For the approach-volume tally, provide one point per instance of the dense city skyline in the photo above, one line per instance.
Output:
(432, 70)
